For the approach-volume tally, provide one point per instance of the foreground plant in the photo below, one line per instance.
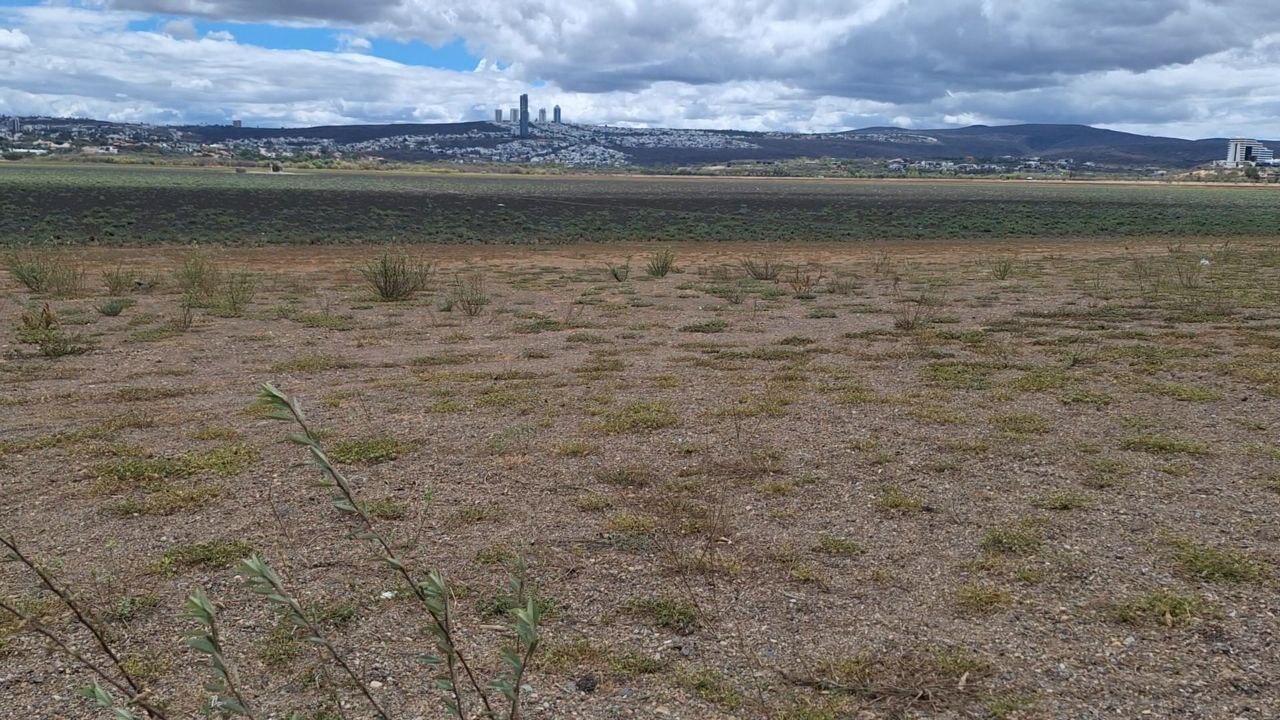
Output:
(459, 681)
(224, 684)
(113, 671)
(114, 688)
(264, 581)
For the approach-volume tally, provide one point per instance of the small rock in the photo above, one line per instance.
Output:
(587, 683)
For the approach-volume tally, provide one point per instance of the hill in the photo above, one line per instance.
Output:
(570, 144)
(1079, 142)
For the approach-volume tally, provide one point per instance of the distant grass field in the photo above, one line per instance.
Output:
(132, 205)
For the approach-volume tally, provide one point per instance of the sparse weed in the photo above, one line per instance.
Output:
(44, 330)
(127, 472)
(668, 611)
(395, 276)
(895, 499)
(1164, 445)
(1020, 424)
(632, 664)
(592, 503)
(640, 416)
(311, 364)
(367, 451)
(711, 686)
(1002, 267)
(47, 273)
(1021, 539)
(119, 280)
(197, 277)
(913, 313)
(838, 546)
(901, 681)
(633, 476)
(1184, 393)
(467, 293)
(131, 607)
(114, 306)
(1212, 564)
(764, 268)
(234, 292)
(1160, 607)
(803, 281)
(661, 263)
(620, 273)
(710, 326)
(212, 554)
(980, 598)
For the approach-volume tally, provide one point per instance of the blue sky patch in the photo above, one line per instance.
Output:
(451, 56)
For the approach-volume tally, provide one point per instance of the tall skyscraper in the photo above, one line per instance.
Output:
(524, 116)
(237, 123)
(497, 115)
(515, 115)
(542, 115)
(555, 113)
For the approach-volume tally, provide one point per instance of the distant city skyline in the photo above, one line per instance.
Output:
(1187, 69)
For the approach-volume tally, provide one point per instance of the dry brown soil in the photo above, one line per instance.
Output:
(918, 490)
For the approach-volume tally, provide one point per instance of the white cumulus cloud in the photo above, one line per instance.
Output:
(13, 40)
(353, 43)
(1194, 68)
(184, 29)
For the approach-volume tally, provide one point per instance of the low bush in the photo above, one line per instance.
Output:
(661, 263)
(47, 273)
(42, 329)
(765, 268)
(395, 276)
(119, 281)
(114, 306)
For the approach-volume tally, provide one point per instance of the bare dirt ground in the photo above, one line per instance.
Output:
(1025, 480)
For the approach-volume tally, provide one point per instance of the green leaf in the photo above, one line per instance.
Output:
(97, 694)
(199, 607)
(203, 644)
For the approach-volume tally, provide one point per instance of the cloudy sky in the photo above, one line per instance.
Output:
(1185, 68)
